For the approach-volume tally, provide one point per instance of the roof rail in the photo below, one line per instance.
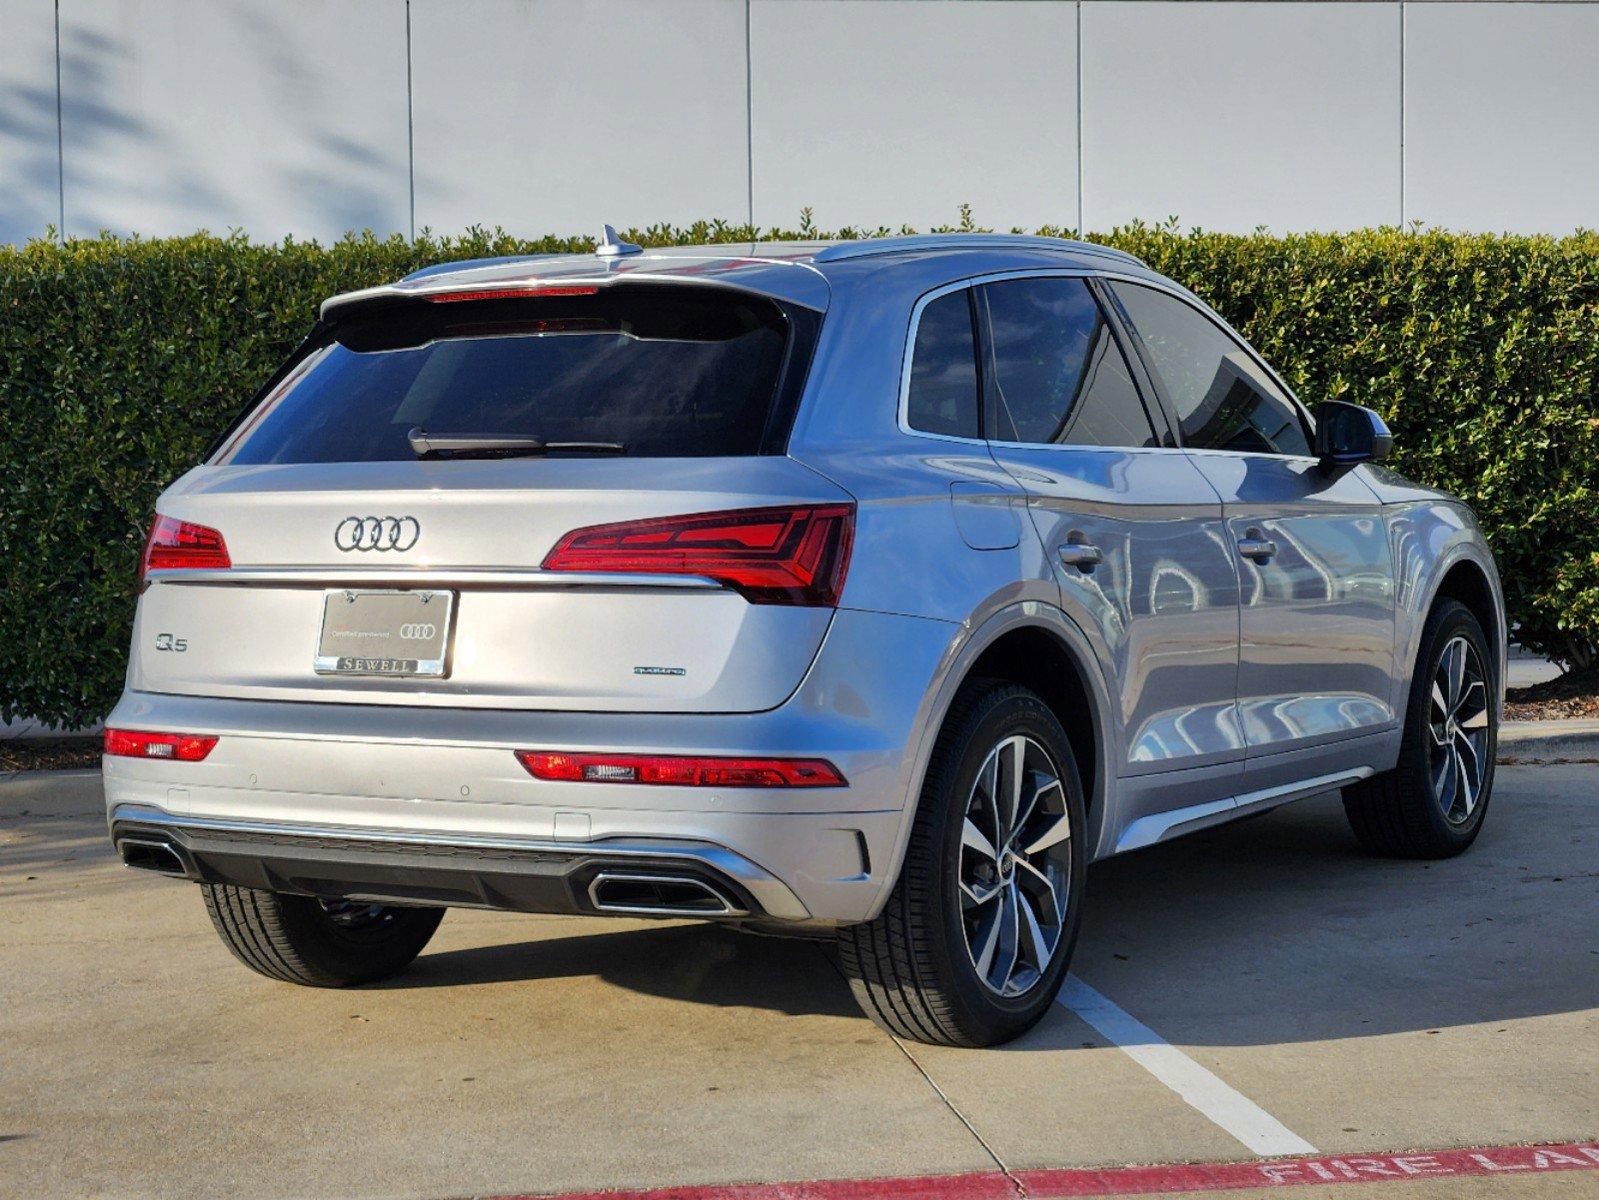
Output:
(867, 247)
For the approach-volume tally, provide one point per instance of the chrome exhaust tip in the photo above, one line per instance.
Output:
(148, 854)
(657, 895)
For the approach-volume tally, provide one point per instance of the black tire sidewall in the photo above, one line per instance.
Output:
(355, 956)
(1450, 620)
(1002, 711)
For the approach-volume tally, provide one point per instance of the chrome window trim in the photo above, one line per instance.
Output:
(1159, 285)
(975, 281)
(917, 309)
(1211, 451)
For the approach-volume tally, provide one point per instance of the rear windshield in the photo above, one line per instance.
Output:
(661, 371)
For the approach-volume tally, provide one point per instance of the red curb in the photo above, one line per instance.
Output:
(989, 1185)
(1322, 1170)
(1169, 1180)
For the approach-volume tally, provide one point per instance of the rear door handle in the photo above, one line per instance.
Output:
(1255, 545)
(1082, 555)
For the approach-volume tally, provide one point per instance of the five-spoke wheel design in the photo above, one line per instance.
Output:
(1458, 720)
(1015, 866)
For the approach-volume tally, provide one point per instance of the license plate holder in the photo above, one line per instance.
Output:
(385, 632)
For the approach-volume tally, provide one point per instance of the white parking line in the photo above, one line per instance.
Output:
(1231, 1110)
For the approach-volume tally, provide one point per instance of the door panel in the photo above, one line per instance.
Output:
(1316, 622)
(1134, 533)
(1162, 597)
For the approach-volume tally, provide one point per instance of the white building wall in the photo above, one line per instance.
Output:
(1232, 115)
(1502, 115)
(29, 167)
(549, 116)
(278, 117)
(891, 112)
(311, 117)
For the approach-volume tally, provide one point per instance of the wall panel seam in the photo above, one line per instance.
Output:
(61, 150)
(410, 124)
(749, 119)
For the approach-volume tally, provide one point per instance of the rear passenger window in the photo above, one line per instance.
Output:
(1055, 373)
(943, 390)
(1224, 399)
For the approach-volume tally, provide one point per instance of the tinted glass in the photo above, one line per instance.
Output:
(665, 371)
(1055, 371)
(1224, 400)
(943, 392)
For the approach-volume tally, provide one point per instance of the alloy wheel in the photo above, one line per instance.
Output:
(1015, 866)
(1458, 720)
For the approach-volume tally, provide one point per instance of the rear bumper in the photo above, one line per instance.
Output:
(518, 874)
(392, 801)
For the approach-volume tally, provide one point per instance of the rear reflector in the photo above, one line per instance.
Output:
(177, 747)
(179, 545)
(782, 555)
(680, 771)
(517, 293)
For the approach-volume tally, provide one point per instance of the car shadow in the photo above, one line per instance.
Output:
(700, 963)
(1274, 930)
(1282, 929)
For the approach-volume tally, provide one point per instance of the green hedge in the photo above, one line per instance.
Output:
(121, 359)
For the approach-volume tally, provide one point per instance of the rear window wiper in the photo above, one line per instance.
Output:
(498, 445)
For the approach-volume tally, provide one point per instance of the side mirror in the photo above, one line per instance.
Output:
(1347, 435)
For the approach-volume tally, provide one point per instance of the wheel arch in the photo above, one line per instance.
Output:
(1465, 580)
(1469, 576)
(1039, 646)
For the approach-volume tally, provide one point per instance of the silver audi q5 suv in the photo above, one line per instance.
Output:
(872, 588)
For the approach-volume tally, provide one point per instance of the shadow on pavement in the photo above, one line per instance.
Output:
(1281, 929)
(1274, 930)
(699, 963)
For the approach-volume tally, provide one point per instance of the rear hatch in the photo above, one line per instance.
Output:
(409, 513)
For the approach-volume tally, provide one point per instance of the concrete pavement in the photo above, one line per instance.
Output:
(1366, 1005)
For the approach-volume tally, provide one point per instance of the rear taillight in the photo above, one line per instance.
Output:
(786, 555)
(680, 771)
(178, 545)
(175, 747)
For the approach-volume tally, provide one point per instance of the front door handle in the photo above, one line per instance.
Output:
(1256, 546)
(1080, 554)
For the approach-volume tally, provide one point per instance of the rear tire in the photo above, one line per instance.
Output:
(1432, 804)
(976, 937)
(300, 940)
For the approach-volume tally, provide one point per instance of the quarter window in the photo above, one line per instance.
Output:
(1223, 397)
(943, 388)
(1055, 373)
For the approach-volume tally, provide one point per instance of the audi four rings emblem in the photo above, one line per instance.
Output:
(418, 633)
(377, 533)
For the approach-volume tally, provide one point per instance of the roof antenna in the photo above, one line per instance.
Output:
(611, 246)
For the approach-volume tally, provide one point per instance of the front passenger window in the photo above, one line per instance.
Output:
(1224, 399)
